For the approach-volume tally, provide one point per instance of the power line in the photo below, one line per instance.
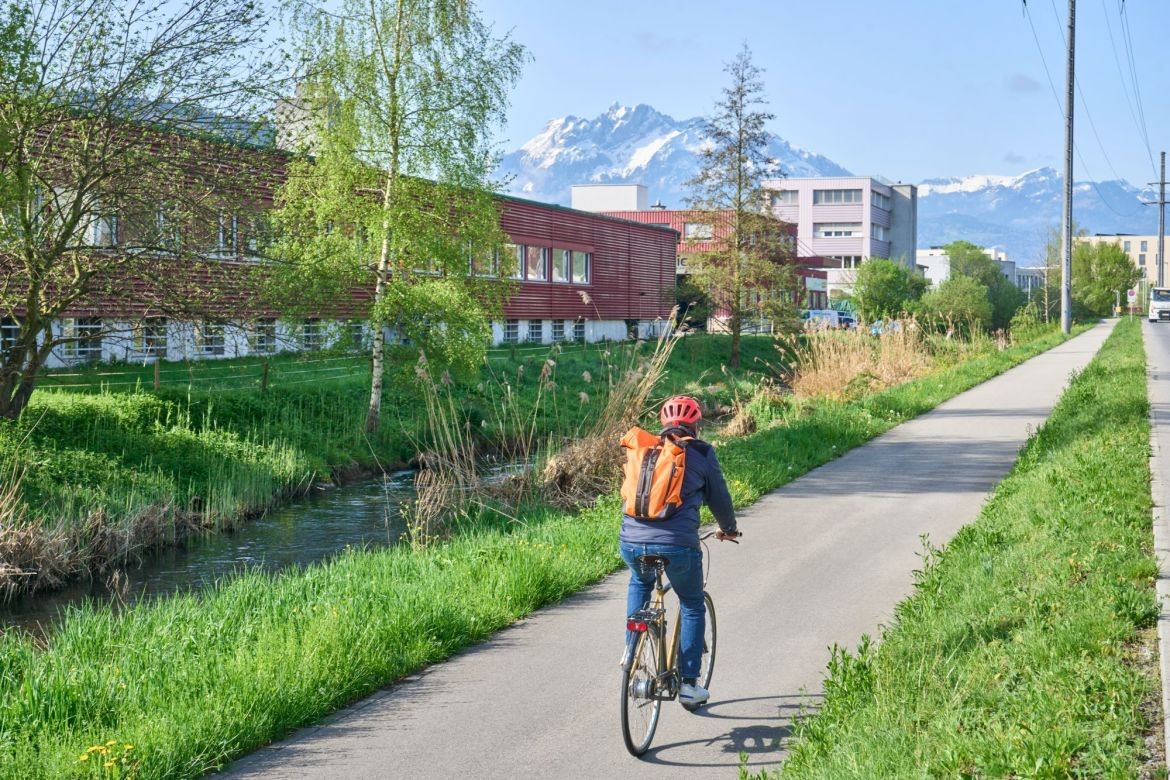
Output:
(1125, 86)
(1127, 38)
(1061, 109)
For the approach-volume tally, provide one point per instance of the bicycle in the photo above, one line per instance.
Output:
(650, 672)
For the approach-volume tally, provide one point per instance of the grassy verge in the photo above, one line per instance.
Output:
(1018, 654)
(194, 682)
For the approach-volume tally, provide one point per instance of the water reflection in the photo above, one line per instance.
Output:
(357, 515)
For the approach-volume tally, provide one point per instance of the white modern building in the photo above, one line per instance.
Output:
(848, 220)
(935, 265)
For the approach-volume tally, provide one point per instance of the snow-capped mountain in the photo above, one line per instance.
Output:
(629, 145)
(1016, 212)
(642, 145)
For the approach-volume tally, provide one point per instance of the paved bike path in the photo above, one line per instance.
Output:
(824, 560)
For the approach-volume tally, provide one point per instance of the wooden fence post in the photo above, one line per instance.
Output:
(157, 382)
(264, 378)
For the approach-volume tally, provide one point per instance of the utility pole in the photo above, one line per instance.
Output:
(1066, 260)
(1161, 204)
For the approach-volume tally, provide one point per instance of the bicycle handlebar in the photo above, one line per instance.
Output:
(732, 539)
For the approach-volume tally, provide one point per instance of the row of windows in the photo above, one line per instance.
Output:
(792, 197)
(562, 330)
(568, 266)
(1127, 246)
(84, 336)
(103, 232)
(836, 196)
(698, 231)
(837, 229)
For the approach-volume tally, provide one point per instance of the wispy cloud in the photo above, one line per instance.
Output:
(653, 43)
(1018, 82)
(1011, 158)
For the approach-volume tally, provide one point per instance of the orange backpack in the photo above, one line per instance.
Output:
(654, 471)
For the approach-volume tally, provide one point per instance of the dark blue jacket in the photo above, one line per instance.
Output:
(703, 483)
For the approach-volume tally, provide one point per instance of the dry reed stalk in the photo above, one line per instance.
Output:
(590, 466)
(31, 557)
(832, 363)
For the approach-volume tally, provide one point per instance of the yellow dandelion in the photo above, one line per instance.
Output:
(111, 743)
(108, 764)
(127, 747)
(84, 757)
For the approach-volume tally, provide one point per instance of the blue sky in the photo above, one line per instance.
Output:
(908, 89)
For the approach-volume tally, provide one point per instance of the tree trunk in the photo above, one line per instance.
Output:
(736, 328)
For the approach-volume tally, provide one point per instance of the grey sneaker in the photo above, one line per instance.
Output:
(693, 695)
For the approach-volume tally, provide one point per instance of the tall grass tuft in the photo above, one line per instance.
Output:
(590, 466)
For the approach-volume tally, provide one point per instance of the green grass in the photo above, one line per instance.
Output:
(1016, 654)
(194, 682)
(211, 442)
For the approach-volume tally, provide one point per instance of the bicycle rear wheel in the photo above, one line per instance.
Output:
(640, 704)
(707, 665)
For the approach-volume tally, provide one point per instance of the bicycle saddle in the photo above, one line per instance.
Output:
(653, 561)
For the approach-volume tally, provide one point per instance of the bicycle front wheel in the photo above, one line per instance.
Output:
(640, 702)
(707, 664)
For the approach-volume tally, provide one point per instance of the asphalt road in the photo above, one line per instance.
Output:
(824, 560)
(1157, 340)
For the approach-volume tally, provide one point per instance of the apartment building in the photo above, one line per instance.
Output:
(848, 220)
(1142, 250)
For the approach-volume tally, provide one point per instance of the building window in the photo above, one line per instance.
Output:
(84, 336)
(312, 334)
(786, 198)
(558, 330)
(562, 265)
(581, 267)
(9, 333)
(836, 196)
(697, 231)
(536, 331)
(847, 261)
(262, 336)
(259, 234)
(1145, 246)
(484, 263)
(209, 338)
(536, 263)
(880, 200)
(150, 337)
(102, 231)
(357, 335)
(1141, 259)
(879, 232)
(837, 229)
(579, 330)
(1126, 245)
(511, 331)
(514, 256)
(167, 233)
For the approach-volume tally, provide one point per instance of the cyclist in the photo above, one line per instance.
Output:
(677, 539)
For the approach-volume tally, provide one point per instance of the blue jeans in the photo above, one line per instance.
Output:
(685, 573)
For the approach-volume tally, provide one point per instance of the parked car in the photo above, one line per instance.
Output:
(821, 318)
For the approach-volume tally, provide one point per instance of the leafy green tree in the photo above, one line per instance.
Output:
(960, 300)
(747, 274)
(395, 198)
(1099, 272)
(106, 108)
(886, 288)
(694, 305)
(970, 260)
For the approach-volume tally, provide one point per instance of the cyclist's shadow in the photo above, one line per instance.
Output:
(762, 742)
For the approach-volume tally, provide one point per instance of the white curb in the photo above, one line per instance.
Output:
(1161, 550)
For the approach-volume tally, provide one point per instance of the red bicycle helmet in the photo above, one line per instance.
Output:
(680, 410)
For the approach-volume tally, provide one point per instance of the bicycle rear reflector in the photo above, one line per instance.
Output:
(636, 625)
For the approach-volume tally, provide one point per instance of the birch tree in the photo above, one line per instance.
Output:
(109, 115)
(392, 193)
(747, 274)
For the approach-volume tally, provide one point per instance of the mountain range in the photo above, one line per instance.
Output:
(641, 145)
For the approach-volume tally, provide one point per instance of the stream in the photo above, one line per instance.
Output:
(360, 514)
